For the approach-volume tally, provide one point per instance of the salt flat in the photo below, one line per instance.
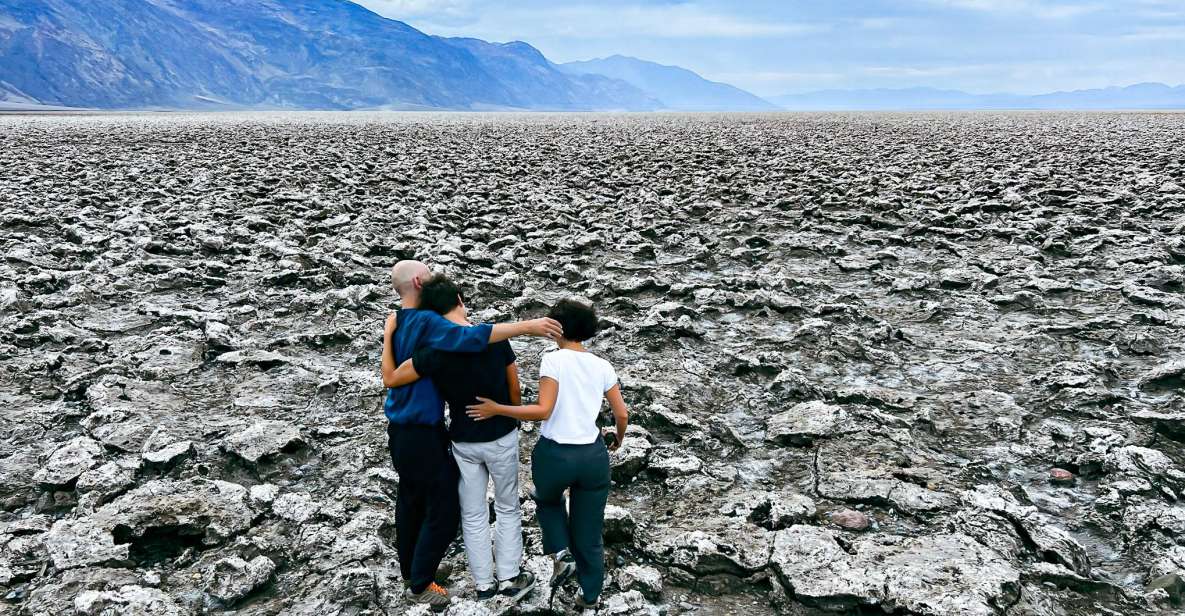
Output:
(820, 320)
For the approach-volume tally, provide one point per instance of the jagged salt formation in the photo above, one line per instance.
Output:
(916, 364)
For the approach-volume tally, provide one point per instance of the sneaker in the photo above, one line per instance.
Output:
(433, 596)
(582, 605)
(485, 594)
(519, 586)
(564, 568)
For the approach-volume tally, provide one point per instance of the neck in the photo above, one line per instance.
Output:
(411, 301)
(570, 345)
(456, 317)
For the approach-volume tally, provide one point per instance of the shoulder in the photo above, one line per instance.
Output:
(407, 316)
(603, 365)
(555, 355)
(433, 318)
(550, 360)
(597, 359)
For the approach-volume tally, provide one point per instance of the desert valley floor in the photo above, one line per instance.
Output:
(921, 364)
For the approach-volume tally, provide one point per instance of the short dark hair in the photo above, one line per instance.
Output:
(439, 294)
(578, 320)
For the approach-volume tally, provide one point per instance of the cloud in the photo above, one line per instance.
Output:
(780, 82)
(1156, 33)
(1037, 8)
(774, 46)
(588, 20)
(682, 21)
(924, 72)
(450, 12)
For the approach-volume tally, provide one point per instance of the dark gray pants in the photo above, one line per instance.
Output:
(583, 470)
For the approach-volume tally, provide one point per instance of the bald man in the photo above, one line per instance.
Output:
(427, 510)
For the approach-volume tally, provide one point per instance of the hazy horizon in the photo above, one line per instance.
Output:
(773, 48)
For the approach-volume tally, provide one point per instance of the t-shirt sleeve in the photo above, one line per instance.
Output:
(610, 376)
(548, 367)
(426, 362)
(508, 356)
(445, 335)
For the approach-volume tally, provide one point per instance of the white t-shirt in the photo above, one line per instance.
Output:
(583, 380)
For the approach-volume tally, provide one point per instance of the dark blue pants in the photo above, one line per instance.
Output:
(583, 470)
(427, 509)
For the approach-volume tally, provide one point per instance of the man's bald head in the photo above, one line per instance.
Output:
(407, 276)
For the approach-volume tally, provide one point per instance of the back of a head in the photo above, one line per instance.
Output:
(440, 294)
(405, 273)
(578, 320)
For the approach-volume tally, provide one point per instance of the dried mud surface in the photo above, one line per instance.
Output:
(917, 364)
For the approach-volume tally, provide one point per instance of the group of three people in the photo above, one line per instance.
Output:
(433, 354)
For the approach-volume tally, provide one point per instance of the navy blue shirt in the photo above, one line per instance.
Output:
(420, 402)
(461, 378)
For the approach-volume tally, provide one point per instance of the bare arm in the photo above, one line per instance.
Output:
(549, 389)
(621, 415)
(444, 335)
(516, 394)
(398, 377)
(388, 362)
(543, 328)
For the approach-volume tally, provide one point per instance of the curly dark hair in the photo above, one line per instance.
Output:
(439, 294)
(578, 320)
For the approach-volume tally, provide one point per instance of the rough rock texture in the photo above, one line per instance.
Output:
(70, 461)
(912, 318)
(266, 438)
(231, 579)
(933, 575)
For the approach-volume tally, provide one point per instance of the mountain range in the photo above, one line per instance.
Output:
(335, 54)
(678, 88)
(1138, 96)
(302, 54)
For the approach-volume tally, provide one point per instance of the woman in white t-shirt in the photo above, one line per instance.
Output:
(571, 453)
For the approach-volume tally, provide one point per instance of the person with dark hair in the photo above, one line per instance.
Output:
(427, 511)
(571, 454)
(482, 451)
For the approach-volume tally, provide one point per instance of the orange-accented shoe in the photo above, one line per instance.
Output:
(434, 596)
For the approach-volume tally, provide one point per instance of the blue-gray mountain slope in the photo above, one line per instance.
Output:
(678, 88)
(318, 54)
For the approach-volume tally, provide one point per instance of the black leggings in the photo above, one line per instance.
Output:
(583, 470)
(427, 510)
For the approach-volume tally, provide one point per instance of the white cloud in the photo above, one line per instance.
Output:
(1156, 33)
(925, 72)
(775, 83)
(684, 21)
(585, 20)
(1036, 8)
(455, 12)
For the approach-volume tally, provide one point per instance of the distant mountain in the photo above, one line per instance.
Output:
(678, 88)
(319, 54)
(1139, 96)
(539, 83)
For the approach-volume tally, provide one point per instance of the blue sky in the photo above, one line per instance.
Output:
(773, 47)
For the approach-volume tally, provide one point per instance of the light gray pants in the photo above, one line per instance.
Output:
(478, 463)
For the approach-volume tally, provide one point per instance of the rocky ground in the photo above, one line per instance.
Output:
(917, 364)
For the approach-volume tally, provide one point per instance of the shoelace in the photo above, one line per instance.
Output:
(434, 587)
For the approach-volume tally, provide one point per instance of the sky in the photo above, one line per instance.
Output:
(773, 47)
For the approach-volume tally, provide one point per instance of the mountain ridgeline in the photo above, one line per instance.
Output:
(678, 88)
(284, 54)
(1138, 96)
(336, 54)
